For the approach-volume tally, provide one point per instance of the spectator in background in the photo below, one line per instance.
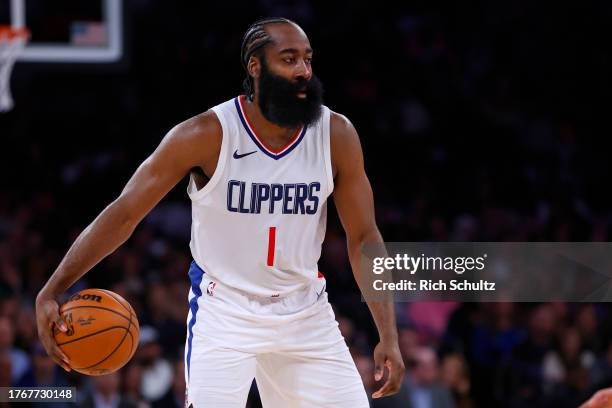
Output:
(355, 339)
(25, 328)
(430, 318)
(409, 343)
(175, 397)
(105, 393)
(167, 316)
(601, 372)
(20, 362)
(497, 336)
(132, 382)
(568, 363)
(45, 373)
(528, 357)
(455, 375)
(5, 375)
(493, 340)
(10, 306)
(424, 383)
(566, 370)
(5, 370)
(587, 324)
(157, 372)
(157, 304)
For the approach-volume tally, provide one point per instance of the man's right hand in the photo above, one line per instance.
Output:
(47, 315)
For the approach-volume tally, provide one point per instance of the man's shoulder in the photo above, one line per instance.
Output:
(345, 146)
(196, 139)
(339, 120)
(342, 130)
(204, 127)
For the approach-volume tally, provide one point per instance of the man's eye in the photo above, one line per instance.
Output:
(289, 60)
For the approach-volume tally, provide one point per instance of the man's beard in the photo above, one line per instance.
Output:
(280, 104)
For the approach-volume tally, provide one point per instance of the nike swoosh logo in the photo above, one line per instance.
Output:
(240, 156)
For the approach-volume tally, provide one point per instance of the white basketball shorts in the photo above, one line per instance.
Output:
(291, 346)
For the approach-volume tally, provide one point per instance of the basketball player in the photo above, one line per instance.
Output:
(262, 167)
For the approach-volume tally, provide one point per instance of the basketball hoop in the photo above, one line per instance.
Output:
(12, 42)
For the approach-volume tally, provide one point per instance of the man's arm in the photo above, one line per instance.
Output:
(195, 142)
(355, 204)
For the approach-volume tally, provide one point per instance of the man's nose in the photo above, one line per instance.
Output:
(303, 70)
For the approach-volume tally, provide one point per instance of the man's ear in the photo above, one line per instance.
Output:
(254, 66)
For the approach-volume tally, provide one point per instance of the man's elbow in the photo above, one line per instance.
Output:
(363, 237)
(122, 217)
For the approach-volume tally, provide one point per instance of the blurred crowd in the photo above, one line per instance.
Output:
(480, 122)
(456, 354)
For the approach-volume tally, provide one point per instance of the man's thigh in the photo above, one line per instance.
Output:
(312, 367)
(293, 381)
(219, 377)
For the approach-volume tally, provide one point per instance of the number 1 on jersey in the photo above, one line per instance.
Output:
(271, 243)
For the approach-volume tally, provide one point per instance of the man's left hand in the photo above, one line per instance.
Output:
(387, 355)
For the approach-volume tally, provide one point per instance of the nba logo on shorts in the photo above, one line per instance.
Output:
(211, 288)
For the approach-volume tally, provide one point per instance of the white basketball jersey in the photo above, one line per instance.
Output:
(259, 222)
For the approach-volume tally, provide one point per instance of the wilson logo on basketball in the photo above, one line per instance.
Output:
(85, 296)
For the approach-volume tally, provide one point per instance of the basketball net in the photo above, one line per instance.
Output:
(12, 43)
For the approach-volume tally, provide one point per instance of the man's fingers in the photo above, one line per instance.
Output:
(61, 363)
(47, 317)
(60, 358)
(392, 385)
(53, 349)
(55, 318)
(59, 322)
(378, 372)
(386, 389)
(379, 362)
(58, 351)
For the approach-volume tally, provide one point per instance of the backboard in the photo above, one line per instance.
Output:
(65, 31)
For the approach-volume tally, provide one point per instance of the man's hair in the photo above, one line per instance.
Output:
(253, 43)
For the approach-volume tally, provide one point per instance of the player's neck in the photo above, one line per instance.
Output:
(273, 134)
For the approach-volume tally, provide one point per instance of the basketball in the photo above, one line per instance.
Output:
(102, 333)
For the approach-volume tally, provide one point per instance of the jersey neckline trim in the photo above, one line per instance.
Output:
(275, 154)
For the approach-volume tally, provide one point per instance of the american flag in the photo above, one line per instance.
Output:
(87, 33)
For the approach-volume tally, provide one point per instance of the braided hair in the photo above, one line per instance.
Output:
(253, 43)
